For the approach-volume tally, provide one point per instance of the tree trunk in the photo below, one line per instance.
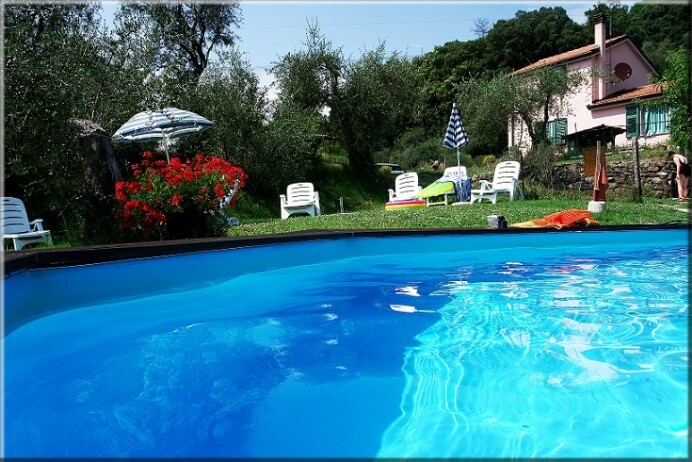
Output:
(637, 175)
(90, 134)
(101, 172)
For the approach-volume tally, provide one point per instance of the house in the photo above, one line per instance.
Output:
(617, 75)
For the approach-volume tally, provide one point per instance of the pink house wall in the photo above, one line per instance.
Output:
(578, 115)
(624, 52)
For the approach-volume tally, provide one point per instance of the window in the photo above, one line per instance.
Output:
(632, 121)
(556, 131)
(656, 120)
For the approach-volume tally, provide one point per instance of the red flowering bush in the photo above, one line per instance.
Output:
(161, 195)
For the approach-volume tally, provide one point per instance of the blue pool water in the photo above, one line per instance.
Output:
(549, 345)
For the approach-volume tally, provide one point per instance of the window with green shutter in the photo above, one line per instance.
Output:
(556, 131)
(632, 121)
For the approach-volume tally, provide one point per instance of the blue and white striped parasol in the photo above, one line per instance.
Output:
(456, 137)
(162, 125)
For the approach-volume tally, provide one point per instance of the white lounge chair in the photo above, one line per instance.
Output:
(443, 187)
(17, 227)
(300, 198)
(505, 181)
(405, 187)
(225, 201)
(458, 171)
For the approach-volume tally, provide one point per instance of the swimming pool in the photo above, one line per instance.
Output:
(559, 344)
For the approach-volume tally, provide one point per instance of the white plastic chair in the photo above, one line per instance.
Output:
(225, 201)
(457, 172)
(405, 187)
(17, 227)
(300, 198)
(505, 181)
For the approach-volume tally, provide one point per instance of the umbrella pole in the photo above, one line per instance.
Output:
(165, 147)
(458, 158)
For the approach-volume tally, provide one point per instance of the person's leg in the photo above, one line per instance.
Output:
(684, 179)
(681, 192)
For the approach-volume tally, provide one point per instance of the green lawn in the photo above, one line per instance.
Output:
(618, 212)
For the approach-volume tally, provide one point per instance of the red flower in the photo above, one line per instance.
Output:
(218, 190)
(176, 200)
(120, 194)
(190, 186)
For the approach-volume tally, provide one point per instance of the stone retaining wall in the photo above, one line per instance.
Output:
(657, 177)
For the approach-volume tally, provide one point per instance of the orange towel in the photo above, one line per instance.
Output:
(564, 219)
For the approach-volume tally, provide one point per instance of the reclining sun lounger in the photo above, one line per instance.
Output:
(16, 227)
(505, 181)
(300, 198)
(405, 187)
(452, 183)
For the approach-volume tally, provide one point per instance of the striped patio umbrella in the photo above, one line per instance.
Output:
(163, 125)
(456, 137)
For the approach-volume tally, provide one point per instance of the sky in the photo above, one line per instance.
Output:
(271, 29)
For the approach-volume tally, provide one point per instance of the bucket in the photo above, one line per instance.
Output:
(596, 206)
(496, 221)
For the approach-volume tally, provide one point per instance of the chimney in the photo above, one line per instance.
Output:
(600, 40)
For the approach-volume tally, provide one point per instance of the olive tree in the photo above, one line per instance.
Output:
(180, 37)
(59, 95)
(379, 100)
(230, 95)
(676, 94)
(310, 78)
(272, 151)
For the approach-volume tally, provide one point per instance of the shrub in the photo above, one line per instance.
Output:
(538, 164)
(414, 149)
(180, 199)
(385, 169)
(286, 152)
(465, 159)
(489, 160)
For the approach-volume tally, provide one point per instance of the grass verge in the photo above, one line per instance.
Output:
(618, 212)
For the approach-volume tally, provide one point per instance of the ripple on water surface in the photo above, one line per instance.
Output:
(583, 359)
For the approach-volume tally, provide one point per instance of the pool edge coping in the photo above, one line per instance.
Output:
(21, 260)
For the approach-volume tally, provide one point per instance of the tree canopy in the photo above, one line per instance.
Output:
(183, 35)
(676, 94)
(533, 35)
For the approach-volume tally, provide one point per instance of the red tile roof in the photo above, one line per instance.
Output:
(568, 55)
(625, 96)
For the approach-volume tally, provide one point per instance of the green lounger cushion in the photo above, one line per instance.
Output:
(437, 189)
